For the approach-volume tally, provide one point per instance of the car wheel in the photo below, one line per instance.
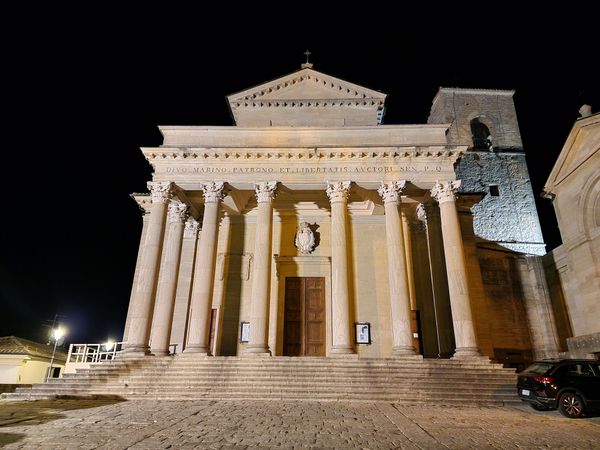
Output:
(571, 405)
(538, 407)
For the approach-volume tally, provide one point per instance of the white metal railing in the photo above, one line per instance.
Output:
(93, 353)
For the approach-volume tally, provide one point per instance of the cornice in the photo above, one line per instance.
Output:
(314, 154)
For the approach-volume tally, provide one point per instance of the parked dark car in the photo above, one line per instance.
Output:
(571, 385)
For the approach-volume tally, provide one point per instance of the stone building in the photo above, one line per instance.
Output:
(574, 267)
(309, 228)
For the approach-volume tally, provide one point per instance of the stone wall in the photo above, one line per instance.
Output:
(509, 219)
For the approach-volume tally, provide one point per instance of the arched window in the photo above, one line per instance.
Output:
(482, 138)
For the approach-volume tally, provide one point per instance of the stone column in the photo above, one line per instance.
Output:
(141, 310)
(261, 276)
(204, 275)
(408, 257)
(160, 334)
(144, 203)
(338, 196)
(402, 339)
(456, 267)
(184, 283)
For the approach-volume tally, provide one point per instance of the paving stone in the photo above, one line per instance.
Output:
(152, 424)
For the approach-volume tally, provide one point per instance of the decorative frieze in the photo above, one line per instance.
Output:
(338, 191)
(214, 191)
(445, 191)
(160, 191)
(394, 153)
(265, 191)
(391, 192)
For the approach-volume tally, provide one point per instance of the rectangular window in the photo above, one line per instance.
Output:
(494, 191)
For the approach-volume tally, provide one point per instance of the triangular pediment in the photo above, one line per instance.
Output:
(581, 144)
(302, 98)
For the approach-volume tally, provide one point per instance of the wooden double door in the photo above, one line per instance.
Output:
(304, 326)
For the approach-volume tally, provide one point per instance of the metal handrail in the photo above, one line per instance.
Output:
(93, 353)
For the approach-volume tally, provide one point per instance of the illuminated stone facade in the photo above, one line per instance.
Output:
(391, 241)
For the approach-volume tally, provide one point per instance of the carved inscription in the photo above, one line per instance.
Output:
(304, 170)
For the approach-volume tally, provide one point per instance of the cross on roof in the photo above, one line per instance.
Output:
(307, 63)
(307, 53)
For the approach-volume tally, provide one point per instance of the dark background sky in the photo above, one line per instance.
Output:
(83, 89)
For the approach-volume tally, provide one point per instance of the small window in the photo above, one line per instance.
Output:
(494, 191)
(482, 138)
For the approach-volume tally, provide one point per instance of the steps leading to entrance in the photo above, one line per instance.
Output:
(280, 378)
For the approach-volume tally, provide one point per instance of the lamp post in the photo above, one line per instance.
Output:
(57, 333)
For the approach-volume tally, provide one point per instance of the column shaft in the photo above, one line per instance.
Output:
(456, 267)
(184, 284)
(136, 275)
(204, 276)
(141, 309)
(261, 277)
(342, 341)
(410, 275)
(167, 282)
(402, 340)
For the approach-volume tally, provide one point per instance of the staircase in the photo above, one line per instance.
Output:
(454, 382)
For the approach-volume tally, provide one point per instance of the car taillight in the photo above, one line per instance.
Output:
(545, 380)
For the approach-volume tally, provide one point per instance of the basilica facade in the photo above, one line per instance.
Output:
(310, 228)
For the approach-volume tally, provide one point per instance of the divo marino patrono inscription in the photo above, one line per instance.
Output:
(304, 170)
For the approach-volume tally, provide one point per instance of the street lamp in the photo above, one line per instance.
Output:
(57, 333)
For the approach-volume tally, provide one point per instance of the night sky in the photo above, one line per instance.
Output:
(84, 89)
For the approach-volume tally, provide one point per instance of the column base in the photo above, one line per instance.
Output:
(160, 353)
(405, 352)
(199, 350)
(466, 353)
(343, 351)
(256, 350)
(134, 352)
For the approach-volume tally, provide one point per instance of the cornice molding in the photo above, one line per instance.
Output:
(357, 154)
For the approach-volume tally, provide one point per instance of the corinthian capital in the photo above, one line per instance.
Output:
(214, 191)
(445, 191)
(178, 212)
(265, 191)
(160, 191)
(337, 191)
(190, 231)
(391, 192)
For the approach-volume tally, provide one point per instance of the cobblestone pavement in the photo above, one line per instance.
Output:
(254, 424)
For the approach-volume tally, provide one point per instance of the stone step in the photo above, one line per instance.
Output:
(298, 373)
(307, 389)
(423, 381)
(303, 361)
(325, 364)
(419, 370)
(496, 399)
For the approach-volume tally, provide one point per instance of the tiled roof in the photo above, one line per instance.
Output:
(12, 345)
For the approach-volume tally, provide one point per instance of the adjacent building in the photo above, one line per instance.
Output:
(310, 228)
(25, 362)
(574, 267)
